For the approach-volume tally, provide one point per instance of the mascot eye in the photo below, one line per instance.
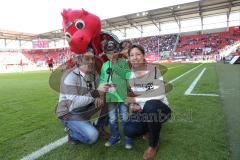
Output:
(79, 24)
(68, 36)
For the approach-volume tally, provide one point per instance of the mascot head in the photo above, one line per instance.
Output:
(81, 28)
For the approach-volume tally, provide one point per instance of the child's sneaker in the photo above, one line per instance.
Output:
(128, 143)
(112, 141)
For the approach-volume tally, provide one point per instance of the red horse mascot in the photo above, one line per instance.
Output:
(83, 31)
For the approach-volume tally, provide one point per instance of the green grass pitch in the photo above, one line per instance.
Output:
(196, 131)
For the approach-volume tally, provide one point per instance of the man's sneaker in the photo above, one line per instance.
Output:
(128, 143)
(112, 141)
(72, 141)
(66, 129)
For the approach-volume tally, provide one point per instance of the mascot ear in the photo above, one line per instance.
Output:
(84, 12)
(65, 13)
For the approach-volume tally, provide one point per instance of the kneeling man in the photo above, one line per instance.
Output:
(79, 100)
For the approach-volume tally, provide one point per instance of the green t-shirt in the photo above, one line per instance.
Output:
(119, 77)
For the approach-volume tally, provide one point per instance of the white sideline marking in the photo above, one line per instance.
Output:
(175, 67)
(202, 94)
(194, 83)
(45, 149)
(184, 74)
(234, 59)
(63, 140)
(191, 87)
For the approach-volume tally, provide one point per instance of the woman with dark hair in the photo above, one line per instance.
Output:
(148, 101)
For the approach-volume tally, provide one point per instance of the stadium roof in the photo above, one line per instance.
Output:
(197, 9)
(16, 35)
(173, 13)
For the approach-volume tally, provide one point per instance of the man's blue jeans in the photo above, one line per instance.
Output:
(82, 131)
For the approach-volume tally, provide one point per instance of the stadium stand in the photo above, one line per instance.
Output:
(41, 55)
(195, 47)
(31, 59)
(157, 44)
(205, 44)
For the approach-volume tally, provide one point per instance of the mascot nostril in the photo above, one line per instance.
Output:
(78, 41)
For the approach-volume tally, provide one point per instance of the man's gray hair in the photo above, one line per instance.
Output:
(78, 57)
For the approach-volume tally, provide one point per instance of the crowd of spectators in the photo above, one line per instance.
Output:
(205, 44)
(41, 55)
(157, 44)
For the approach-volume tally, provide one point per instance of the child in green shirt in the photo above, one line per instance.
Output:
(113, 74)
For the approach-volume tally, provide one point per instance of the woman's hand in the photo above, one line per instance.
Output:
(135, 107)
(130, 100)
